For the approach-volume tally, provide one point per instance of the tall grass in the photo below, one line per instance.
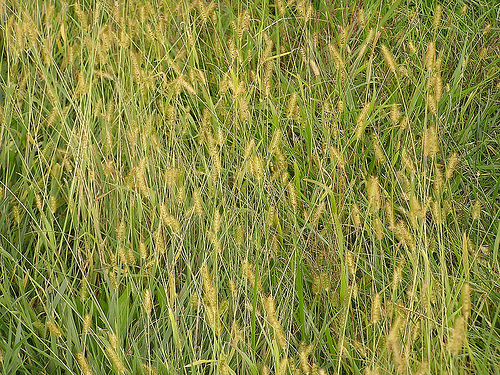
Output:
(288, 187)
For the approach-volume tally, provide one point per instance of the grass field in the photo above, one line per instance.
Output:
(249, 187)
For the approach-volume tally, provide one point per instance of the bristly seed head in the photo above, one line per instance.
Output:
(376, 308)
(389, 58)
(451, 165)
(430, 55)
(373, 189)
(430, 142)
(476, 210)
(438, 15)
(457, 336)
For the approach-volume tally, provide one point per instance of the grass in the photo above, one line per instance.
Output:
(249, 187)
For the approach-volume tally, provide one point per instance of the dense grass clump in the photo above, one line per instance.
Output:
(249, 187)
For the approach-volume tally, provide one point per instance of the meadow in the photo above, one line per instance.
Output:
(249, 187)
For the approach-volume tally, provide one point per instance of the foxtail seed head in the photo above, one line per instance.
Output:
(416, 207)
(436, 212)
(248, 273)
(257, 167)
(304, 353)
(292, 196)
(343, 36)
(38, 201)
(337, 157)
(282, 366)
(466, 301)
(404, 123)
(147, 302)
(373, 189)
(350, 263)
(159, 242)
(432, 104)
(361, 17)
(280, 4)
(115, 359)
(430, 55)
(412, 48)
(249, 149)
(389, 58)
(239, 234)
(395, 114)
(397, 275)
(451, 165)
(377, 148)
(361, 121)
(83, 363)
(292, 107)
(181, 195)
(376, 308)
(476, 210)
(143, 250)
(438, 85)
(275, 141)
(197, 205)
(208, 287)
(336, 57)
(53, 204)
(438, 15)
(430, 142)
(340, 106)
(216, 221)
(172, 293)
(87, 323)
(356, 215)
(457, 336)
(314, 67)
(53, 329)
(316, 215)
(407, 162)
(121, 232)
(405, 235)
(270, 307)
(378, 229)
(233, 289)
(270, 217)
